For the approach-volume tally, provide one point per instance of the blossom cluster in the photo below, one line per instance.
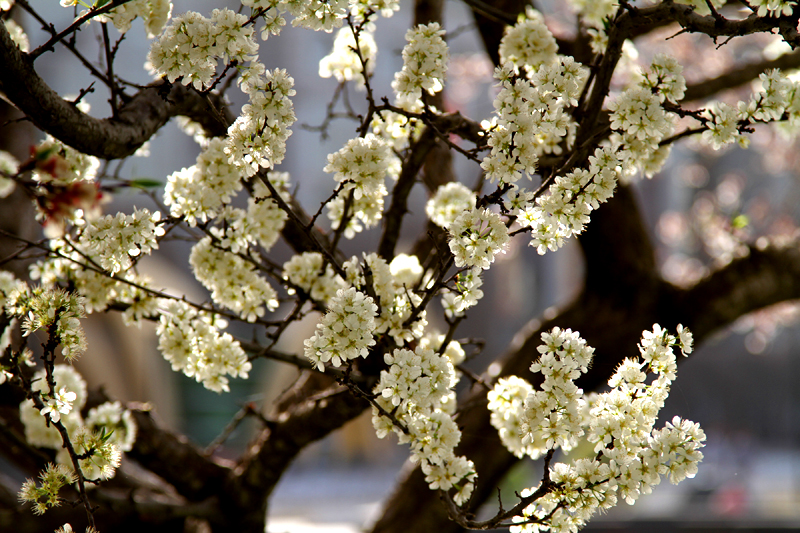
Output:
(55, 311)
(189, 50)
(345, 331)
(722, 125)
(393, 285)
(778, 100)
(260, 224)
(199, 192)
(565, 210)
(116, 421)
(417, 390)
(528, 43)
(8, 168)
(343, 63)
(99, 440)
(154, 14)
(769, 104)
(532, 422)
(665, 78)
(257, 138)
(360, 166)
(364, 212)
(369, 301)
(531, 116)
(640, 120)
(466, 294)
(192, 44)
(396, 129)
(360, 8)
(114, 241)
(305, 272)
(476, 237)
(17, 34)
(773, 8)
(96, 288)
(631, 456)
(192, 343)
(595, 12)
(448, 202)
(425, 59)
(318, 14)
(233, 281)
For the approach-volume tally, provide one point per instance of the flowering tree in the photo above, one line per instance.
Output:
(576, 121)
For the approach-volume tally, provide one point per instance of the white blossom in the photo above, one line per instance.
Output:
(260, 224)
(200, 191)
(325, 15)
(257, 138)
(424, 63)
(305, 271)
(476, 237)
(154, 13)
(529, 42)
(360, 165)
(665, 78)
(449, 201)
(343, 63)
(191, 45)
(395, 302)
(17, 35)
(60, 403)
(193, 344)
(67, 399)
(42, 308)
(773, 8)
(722, 124)
(116, 421)
(531, 118)
(115, 240)
(233, 281)
(345, 331)
(406, 270)
(417, 388)
(8, 168)
(631, 455)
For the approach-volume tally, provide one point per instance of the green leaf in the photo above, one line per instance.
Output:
(740, 221)
(145, 183)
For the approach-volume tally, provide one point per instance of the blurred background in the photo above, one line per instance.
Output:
(741, 386)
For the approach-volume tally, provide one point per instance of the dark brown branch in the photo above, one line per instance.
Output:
(177, 461)
(763, 278)
(398, 207)
(713, 26)
(75, 26)
(111, 138)
(312, 418)
(738, 77)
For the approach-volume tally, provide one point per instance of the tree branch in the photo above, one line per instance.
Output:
(258, 472)
(111, 138)
(764, 277)
(740, 76)
(175, 459)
